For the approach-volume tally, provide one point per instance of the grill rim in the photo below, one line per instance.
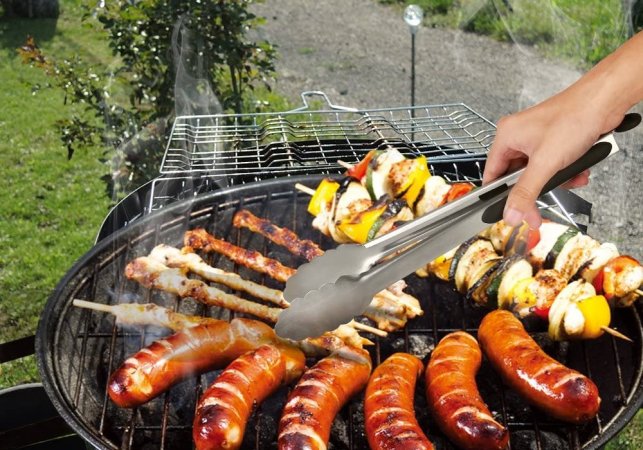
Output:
(47, 331)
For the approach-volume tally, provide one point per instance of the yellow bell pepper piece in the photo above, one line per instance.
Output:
(322, 196)
(417, 178)
(440, 267)
(522, 294)
(597, 314)
(357, 228)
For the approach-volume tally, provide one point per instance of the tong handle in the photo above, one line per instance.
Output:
(605, 146)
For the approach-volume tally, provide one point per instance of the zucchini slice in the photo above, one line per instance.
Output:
(550, 260)
(490, 294)
(457, 256)
(478, 288)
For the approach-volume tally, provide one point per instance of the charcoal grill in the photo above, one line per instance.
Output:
(77, 349)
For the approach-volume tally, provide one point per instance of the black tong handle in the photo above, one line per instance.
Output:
(593, 156)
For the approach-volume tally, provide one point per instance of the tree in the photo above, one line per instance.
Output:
(206, 41)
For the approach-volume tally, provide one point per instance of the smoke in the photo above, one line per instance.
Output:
(193, 93)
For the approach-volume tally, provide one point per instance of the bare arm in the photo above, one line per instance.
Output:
(551, 135)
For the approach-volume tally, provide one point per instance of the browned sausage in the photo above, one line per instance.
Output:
(453, 395)
(388, 405)
(192, 351)
(558, 390)
(318, 396)
(224, 408)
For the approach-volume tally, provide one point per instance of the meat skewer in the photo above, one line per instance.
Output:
(454, 398)
(318, 396)
(152, 274)
(225, 407)
(281, 236)
(389, 417)
(290, 240)
(199, 239)
(561, 392)
(155, 315)
(388, 310)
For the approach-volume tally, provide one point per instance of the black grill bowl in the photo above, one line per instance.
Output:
(77, 349)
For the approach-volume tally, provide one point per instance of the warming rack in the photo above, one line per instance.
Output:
(208, 152)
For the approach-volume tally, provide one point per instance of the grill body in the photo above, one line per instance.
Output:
(78, 349)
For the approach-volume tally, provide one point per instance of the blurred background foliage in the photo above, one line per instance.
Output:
(579, 31)
(168, 54)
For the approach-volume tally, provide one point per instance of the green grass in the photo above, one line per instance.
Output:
(50, 207)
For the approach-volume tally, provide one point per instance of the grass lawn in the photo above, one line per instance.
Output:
(51, 207)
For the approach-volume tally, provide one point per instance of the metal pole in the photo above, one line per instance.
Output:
(412, 74)
(413, 15)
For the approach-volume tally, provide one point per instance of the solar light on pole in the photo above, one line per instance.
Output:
(413, 16)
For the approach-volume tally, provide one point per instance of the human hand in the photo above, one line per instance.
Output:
(547, 138)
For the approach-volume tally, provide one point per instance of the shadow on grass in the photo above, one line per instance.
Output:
(14, 31)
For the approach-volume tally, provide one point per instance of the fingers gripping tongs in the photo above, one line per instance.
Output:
(333, 288)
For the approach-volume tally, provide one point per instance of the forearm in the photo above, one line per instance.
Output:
(615, 84)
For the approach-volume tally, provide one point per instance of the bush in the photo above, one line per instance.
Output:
(128, 107)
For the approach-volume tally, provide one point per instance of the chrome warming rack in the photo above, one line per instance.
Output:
(207, 152)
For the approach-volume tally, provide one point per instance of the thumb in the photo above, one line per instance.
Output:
(521, 202)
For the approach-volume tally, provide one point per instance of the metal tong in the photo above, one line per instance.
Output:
(333, 288)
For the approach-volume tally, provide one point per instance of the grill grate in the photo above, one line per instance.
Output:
(79, 348)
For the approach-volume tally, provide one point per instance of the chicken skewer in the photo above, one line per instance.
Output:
(308, 249)
(136, 314)
(153, 274)
(385, 310)
(175, 258)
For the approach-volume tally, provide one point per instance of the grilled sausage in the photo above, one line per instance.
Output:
(192, 351)
(453, 396)
(224, 408)
(388, 405)
(562, 392)
(318, 396)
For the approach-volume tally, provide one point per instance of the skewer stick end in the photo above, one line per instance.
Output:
(305, 189)
(91, 305)
(367, 328)
(617, 334)
(639, 292)
(344, 164)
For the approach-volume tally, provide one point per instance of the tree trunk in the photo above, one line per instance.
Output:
(31, 8)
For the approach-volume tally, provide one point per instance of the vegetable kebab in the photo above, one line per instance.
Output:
(554, 280)
(377, 194)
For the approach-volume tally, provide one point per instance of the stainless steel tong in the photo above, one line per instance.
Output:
(333, 288)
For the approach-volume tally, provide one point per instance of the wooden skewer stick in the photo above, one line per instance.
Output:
(305, 189)
(617, 334)
(93, 305)
(344, 164)
(639, 292)
(367, 328)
